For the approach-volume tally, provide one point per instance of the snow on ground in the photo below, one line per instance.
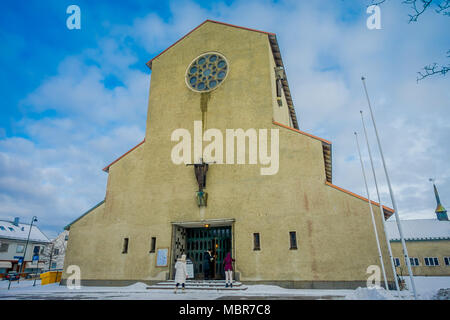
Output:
(370, 294)
(427, 288)
(138, 291)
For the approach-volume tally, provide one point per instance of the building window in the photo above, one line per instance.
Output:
(4, 247)
(431, 262)
(20, 248)
(53, 265)
(66, 238)
(153, 245)
(447, 261)
(256, 242)
(11, 229)
(56, 252)
(397, 262)
(2, 228)
(206, 72)
(293, 240)
(279, 75)
(125, 245)
(414, 262)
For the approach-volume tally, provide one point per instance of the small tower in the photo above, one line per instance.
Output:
(441, 213)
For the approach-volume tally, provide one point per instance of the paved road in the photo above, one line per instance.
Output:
(140, 296)
(282, 297)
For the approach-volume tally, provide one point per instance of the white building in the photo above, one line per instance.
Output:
(13, 238)
(54, 253)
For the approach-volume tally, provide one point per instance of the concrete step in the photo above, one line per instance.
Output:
(199, 285)
(201, 282)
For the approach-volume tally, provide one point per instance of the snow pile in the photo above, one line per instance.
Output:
(375, 293)
(137, 286)
(443, 294)
(428, 288)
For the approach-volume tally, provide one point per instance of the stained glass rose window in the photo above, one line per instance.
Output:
(207, 72)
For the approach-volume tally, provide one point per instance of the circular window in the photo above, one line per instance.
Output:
(206, 72)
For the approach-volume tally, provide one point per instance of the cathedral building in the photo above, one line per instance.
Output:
(224, 166)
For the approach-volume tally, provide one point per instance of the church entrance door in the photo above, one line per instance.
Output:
(199, 240)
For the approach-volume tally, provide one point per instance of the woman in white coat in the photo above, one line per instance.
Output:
(180, 272)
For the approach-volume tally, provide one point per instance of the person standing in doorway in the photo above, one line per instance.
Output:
(228, 266)
(207, 259)
(180, 273)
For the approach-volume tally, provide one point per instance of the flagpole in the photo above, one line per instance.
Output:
(381, 207)
(371, 213)
(394, 203)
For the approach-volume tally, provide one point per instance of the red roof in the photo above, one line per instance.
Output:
(390, 210)
(302, 132)
(149, 63)
(109, 165)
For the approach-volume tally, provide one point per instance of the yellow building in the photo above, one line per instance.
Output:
(283, 220)
(427, 242)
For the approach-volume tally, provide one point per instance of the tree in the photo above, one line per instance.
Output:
(418, 7)
(55, 251)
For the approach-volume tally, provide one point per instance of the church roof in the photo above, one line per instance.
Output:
(106, 169)
(326, 148)
(419, 229)
(386, 210)
(276, 54)
(90, 210)
(326, 145)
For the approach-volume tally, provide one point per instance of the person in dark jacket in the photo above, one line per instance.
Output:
(207, 260)
(228, 266)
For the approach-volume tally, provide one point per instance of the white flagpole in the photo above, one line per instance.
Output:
(381, 207)
(394, 203)
(371, 213)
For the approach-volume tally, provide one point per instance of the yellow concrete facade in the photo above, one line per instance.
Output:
(147, 193)
(422, 249)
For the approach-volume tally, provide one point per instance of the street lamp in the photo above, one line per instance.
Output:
(34, 219)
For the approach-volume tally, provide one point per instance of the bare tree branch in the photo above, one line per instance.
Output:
(377, 2)
(420, 6)
(417, 12)
(444, 8)
(432, 69)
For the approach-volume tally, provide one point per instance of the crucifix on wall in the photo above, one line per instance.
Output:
(200, 170)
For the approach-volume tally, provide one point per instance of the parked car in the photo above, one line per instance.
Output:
(12, 275)
(32, 275)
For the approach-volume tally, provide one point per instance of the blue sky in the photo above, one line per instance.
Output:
(74, 100)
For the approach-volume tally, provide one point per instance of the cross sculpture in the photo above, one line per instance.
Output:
(200, 170)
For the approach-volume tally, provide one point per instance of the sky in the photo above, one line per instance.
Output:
(75, 100)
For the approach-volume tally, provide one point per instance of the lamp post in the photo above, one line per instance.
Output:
(34, 219)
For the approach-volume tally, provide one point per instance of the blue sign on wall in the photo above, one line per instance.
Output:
(35, 258)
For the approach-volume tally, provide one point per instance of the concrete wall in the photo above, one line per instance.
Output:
(146, 191)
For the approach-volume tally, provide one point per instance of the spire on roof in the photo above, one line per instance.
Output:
(440, 211)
